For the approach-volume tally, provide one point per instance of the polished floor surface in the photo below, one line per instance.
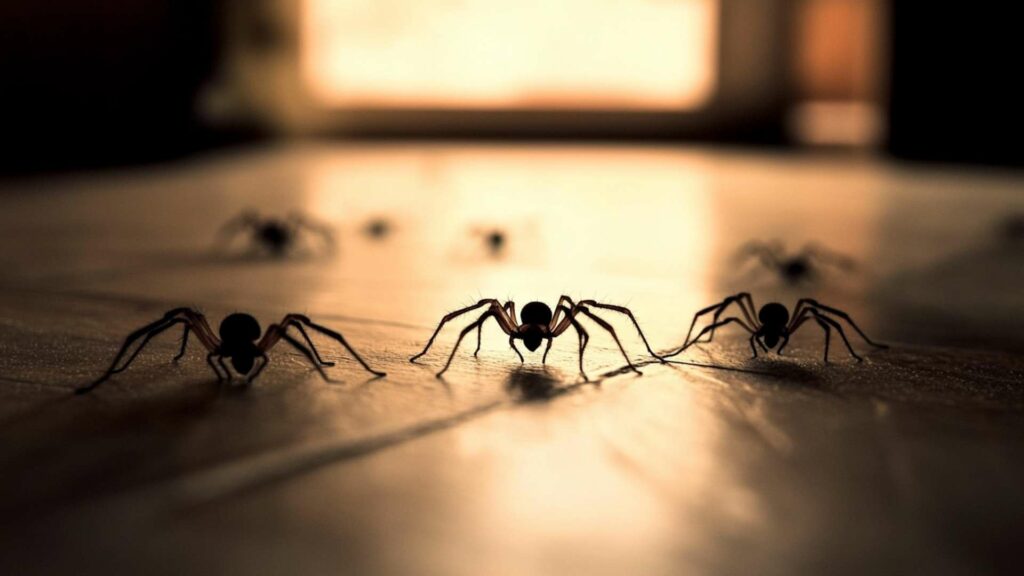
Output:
(910, 462)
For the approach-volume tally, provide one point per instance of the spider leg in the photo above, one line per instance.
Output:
(337, 337)
(824, 255)
(152, 333)
(544, 359)
(584, 339)
(821, 307)
(512, 343)
(220, 377)
(713, 308)
(293, 320)
(476, 323)
(225, 368)
(299, 222)
(448, 317)
(266, 360)
(510, 311)
(561, 309)
(767, 253)
(822, 318)
(611, 330)
(232, 228)
(712, 327)
(828, 335)
(184, 344)
(627, 312)
(746, 304)
(753, 338)
(149, 330)
(305, 352)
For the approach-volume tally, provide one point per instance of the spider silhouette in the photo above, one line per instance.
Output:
(538, 324)
(772, 325)
(798, 267)
(273, 235)
(495, 240)
(239, 341)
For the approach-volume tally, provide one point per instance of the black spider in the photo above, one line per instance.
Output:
(538, 324)
(495, 240)
(239, 340)
(772, 324)
(276, 236)
(377, 228)
(795, 268)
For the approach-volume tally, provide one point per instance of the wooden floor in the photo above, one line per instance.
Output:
(911, 462)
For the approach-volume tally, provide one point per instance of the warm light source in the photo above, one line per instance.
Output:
(496, 54)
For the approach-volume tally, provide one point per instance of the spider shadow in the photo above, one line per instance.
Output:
(537, 384)
(778, 368)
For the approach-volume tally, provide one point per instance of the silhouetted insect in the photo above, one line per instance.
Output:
(494, 239)
(377, 228)
(796, 268)
(276, 236)
(538, 324)
(773, 324)
(239, 340)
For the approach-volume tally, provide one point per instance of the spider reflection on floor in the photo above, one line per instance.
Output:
(537, 325)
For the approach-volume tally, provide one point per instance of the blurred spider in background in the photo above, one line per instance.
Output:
(495, 240)
(276, 236)
(801, 267)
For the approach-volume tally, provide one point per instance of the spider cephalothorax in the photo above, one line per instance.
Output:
(538, 323)
(239, 342)
(276, 236)
(772, 325)
(535, 320)
(796, 267)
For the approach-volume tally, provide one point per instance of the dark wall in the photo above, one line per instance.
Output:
(88, 82)
(956, 82)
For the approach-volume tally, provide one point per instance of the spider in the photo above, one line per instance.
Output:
(538, 324)
(798, 267)
(773, 323)
(239, 340)
(277, 236)
(495, 240)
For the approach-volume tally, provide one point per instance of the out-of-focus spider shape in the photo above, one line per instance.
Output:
(537, 324)
(772, 325)
(377, 228)
(276, 236)
(239, 341)
(495, 240)
(794, 268)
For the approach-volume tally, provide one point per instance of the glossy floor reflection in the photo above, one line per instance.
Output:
(908, 462)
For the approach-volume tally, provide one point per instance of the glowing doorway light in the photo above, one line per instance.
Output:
(501, 54)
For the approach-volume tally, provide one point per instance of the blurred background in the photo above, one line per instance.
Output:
(90, 82)
(658, 154)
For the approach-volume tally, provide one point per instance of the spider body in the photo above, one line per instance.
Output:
(773, 317)
(798, 267)
(533, 328)
(273, 235)
(238, 339)
(238, 335)
(772, 325)
(537, 324)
